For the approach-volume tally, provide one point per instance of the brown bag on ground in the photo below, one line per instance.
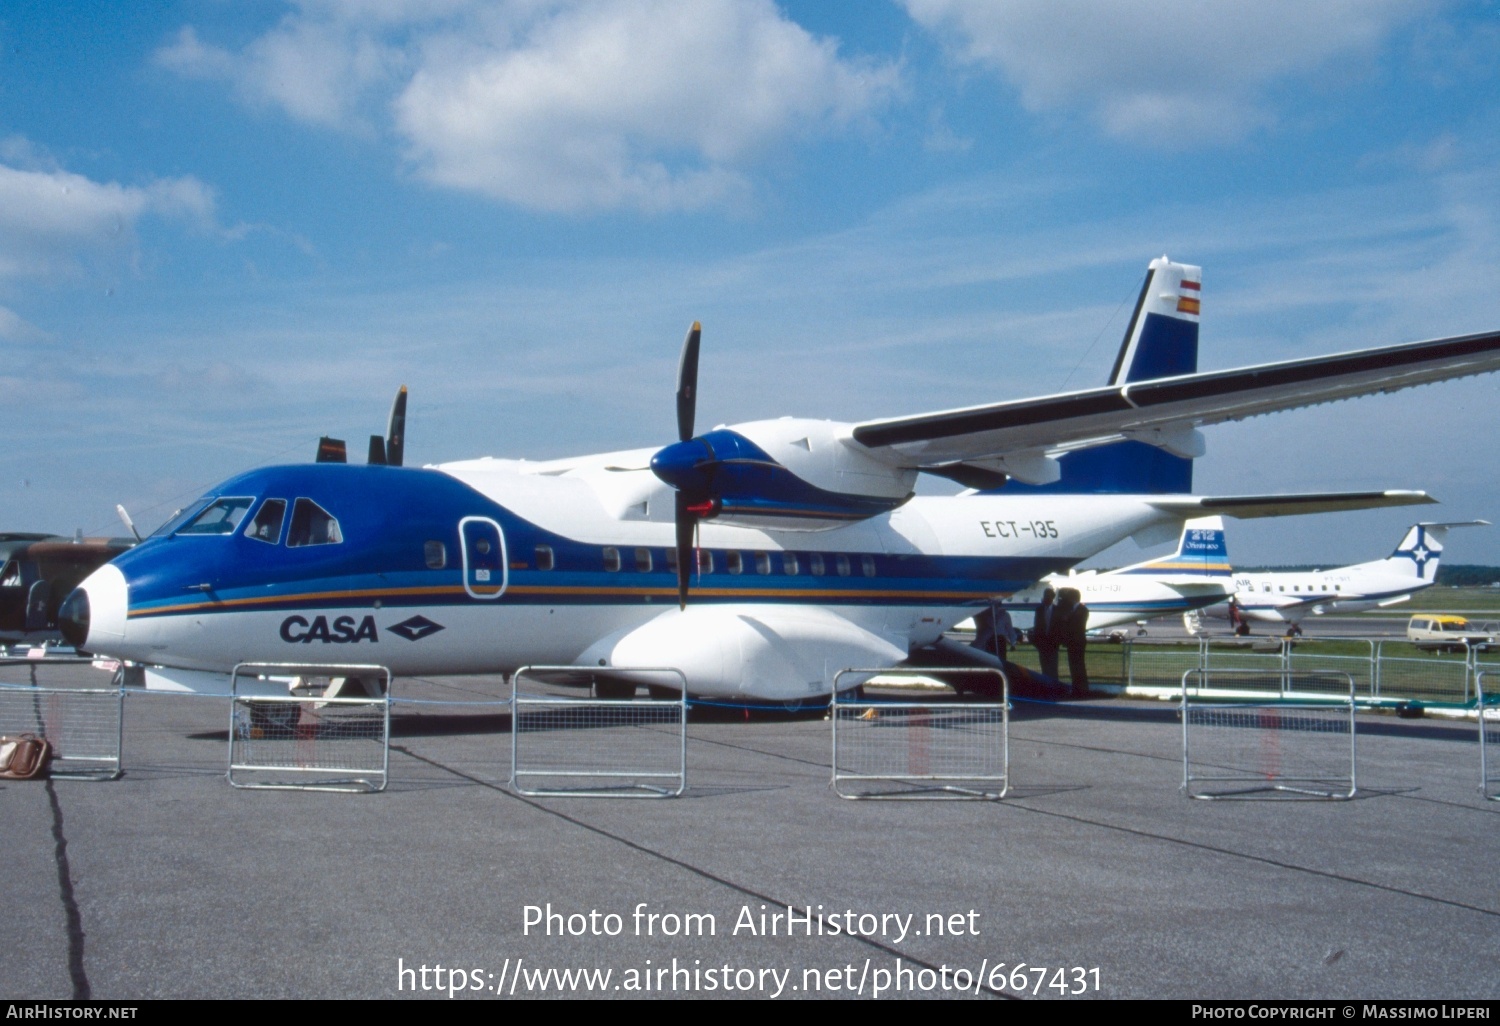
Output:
(24, 757)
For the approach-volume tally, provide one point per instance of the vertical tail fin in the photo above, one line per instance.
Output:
(1201, 551)
(1161, 341)
(1421, 549)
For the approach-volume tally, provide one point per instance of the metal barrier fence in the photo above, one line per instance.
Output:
(595, 747)
(931, 749)
(1274, 746)
(1384, 672)
(1488, 705)
(305, 740)
(83, 722)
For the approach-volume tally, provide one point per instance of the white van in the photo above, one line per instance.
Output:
(1446, 633)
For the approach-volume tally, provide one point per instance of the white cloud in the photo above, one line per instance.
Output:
(48, 216)
(1162, 71)
(318, 71)
(15, 329)
(558, 104)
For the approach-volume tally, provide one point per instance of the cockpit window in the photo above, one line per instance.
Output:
(312, 525)
(181, 517)
(266, 526)
(222, 516)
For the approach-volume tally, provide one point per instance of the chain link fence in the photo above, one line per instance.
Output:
(608, 743)
(892, 748)
(321, 736)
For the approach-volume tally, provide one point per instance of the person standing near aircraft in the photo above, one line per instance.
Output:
(1044, 633)
(996, 633)
(1072, 623)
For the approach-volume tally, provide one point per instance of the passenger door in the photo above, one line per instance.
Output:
(485, 565)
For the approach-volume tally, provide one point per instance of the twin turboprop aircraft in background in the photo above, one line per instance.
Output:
(1195, 576)
(759, 559)
(1290, 597)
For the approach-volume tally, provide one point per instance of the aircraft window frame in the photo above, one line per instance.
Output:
(705, 561)
(763, 563)
(867, 565)
(841, 564)
(612, 561)
(255, 530)
(434, 554)
(182, 516)
(789, 564)
(734, 562)
(235, 506)
(642, 560)
(671, 561)
(295, 538)
(546, 559)
(815, 565)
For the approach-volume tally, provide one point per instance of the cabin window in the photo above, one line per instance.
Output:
(815, 564)
(705, 561)
(266, 527)
(611, 559)
(867, 565)
(643, 561)
(312, 525)
(734, 563)
(789, 564)
(762, 562)
(435, 554)
(222, 516)
(671, 561)
(545, 560)
(842, 563)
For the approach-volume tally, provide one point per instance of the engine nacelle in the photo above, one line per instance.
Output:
(788, 474)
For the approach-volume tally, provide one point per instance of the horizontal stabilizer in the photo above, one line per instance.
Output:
(1249, 507)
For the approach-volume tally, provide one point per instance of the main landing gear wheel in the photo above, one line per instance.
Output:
(614, 689)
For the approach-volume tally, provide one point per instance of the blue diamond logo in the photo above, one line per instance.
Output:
(415, 629)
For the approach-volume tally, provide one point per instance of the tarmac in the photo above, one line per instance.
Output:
(1093, 878)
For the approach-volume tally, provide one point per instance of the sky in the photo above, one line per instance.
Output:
(228, 228)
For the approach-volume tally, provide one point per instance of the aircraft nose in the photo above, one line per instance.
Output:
(93, 617)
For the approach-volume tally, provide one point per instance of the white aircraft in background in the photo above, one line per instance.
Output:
(1196, 575)
(1290, 597)
(758, 559)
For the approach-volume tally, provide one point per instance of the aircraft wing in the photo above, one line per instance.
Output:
(1019, 437)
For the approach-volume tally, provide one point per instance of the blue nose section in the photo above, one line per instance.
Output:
(684, 465)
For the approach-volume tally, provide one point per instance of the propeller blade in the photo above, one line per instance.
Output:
(332, 450)
(395, 436)
(685, 523)
(377, 451)
(687, 382)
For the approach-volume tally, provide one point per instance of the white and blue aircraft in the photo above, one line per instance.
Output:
(1194, 576)
(1289, 597)
(759, 559)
